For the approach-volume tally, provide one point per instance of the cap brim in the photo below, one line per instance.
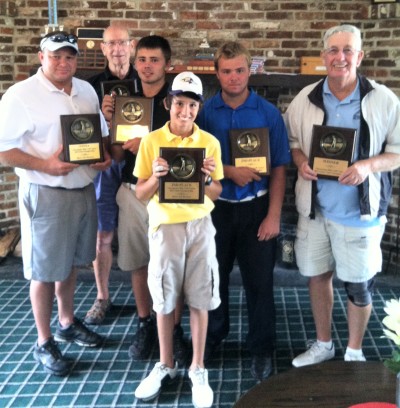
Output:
(179, 92)
(54, 46)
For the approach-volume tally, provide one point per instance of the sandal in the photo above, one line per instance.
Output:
(97, 312)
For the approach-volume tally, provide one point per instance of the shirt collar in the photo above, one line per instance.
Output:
(193, 137)
(50, 86)
(110, 76)
(354, 96)
(250, 102)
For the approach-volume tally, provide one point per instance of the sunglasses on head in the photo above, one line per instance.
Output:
(58, 38)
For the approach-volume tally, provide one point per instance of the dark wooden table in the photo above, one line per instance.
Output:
(332, 384)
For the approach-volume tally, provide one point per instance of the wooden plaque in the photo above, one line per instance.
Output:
(184, 183)
(332, 150)
(250, 148)
(124, 87)
(133, 117)
(82, 138)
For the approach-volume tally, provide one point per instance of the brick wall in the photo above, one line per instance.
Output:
(279, 30)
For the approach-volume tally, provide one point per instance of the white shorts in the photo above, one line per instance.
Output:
(133, 225)
(183, 262)
(322, 245)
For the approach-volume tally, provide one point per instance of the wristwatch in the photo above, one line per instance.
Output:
(208, 181)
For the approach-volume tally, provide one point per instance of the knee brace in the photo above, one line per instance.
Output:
(360, 293)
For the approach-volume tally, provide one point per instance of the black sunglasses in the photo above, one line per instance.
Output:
(58, 38)
(71, 38)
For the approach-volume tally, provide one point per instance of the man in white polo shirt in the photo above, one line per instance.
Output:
(56, 198)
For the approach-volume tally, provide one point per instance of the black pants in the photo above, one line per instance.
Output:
(237, 225)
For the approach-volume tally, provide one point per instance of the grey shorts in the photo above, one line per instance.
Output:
(183, 261)
(322, 245)
(58, 230)
(133, 225)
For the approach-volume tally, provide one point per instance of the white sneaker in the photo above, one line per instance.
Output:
(150, 387)
(202, 394)
(315, 354)
(352, 357)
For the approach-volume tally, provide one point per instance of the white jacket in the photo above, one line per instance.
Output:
(380, 132)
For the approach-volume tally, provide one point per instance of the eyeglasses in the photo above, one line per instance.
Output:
(58, 38)
(119, 43)
(334, 51)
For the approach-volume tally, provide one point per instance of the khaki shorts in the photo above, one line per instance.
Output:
(183, 261)
(133, 225)
(322, 245)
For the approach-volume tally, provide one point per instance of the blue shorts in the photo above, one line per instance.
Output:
(107, 183)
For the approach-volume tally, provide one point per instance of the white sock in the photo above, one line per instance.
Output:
(327, 344)
(354, 352)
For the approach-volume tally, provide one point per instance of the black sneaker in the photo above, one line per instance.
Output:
(78, 333)
(181, 347)
(143, 340)
(51, 359)
(261, 367)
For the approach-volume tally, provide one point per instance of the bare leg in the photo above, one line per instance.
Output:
(321, 296)
(65, 292)
(42, 297)
(198, 327)
(103, 262)
(165, 325)
(358, 318)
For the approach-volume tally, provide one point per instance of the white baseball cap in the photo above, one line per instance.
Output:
(187, 82)
(59, 39)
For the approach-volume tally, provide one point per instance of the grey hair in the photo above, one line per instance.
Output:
(344, 28)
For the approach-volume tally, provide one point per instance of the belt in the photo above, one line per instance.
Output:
(130, 186)
(261, 193)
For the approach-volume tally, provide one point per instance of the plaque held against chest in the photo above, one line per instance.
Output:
(332, 150)
(250, 148)
(132, 117)
(184, 183)
(82, 138)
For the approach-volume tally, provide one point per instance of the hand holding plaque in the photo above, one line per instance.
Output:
(132, 117)
(184, 183)
(82, 138)
(250, 148)
(332, 150)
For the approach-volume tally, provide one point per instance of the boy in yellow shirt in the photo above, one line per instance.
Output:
(181, 238)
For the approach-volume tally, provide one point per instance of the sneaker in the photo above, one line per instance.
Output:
(202, 394)
(51, 359)
(77, 333)
(143, 340)
(181, 347)
(98, 311)
(261, 367)
(315, 354)
(352, 357)
(150, 387)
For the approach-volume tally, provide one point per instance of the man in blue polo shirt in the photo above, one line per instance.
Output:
(342, 221)
(247, 215)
